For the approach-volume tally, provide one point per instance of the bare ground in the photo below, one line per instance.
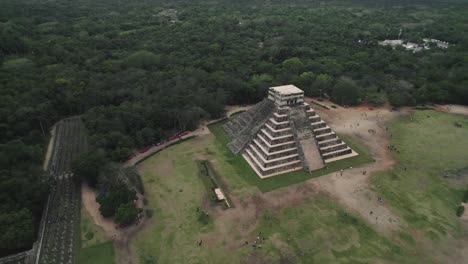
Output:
(453, 109)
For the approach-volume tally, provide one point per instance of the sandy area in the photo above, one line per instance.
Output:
(453, 109)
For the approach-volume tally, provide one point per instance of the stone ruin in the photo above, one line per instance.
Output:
(282, 133)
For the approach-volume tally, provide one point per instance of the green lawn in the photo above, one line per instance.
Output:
(97, 254)
(429, 145)
(265, 185)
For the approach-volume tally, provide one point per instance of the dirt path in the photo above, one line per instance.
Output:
(119, 236)
(453, 109)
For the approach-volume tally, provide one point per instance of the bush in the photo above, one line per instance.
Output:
(465, 196)
(111, 200)
(460, 210)
(203, 218)
(89, 235)
(149, 213)
(376, 99)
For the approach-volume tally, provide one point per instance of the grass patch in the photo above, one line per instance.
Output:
(265, 185)
(91, 234)
(97, 254)
(428, 146)
(322, 232)
(176, 142)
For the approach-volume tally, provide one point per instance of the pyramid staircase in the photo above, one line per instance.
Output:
(276, 140)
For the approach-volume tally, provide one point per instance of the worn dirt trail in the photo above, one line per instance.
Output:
(453, 109)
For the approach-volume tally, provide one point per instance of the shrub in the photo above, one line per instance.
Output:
(203, 218)
(89, 235)
(460, 210)
(149, 213)
(465, 196)
(126, 213)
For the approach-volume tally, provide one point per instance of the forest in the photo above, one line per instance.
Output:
(138, 71)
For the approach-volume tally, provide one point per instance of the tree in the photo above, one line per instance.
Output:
(126, 213)
(346, 92)
(293, 65)
(16, 230)
(88, 166)
(111, 199)
(322, 84)
(143, 59)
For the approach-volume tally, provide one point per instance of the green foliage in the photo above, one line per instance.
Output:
(17, 64)
(126, 213)
(460, 210)
(293, 64)
(16, 230)
(89, 166)
(465, 196)
(346, 92)
(113, 198)
(376, 99)
(89, 235)
(143, 59)
(149, 213)
(204, 218)
(120, 154)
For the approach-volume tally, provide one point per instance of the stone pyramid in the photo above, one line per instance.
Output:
(282, 133)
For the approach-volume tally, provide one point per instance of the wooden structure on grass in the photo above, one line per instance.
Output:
(283, 133)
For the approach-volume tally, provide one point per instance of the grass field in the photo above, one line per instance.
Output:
(97, 254)
(428, 146)
(243, 169)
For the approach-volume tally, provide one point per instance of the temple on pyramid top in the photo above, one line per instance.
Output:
(282, 133)
(286, 95)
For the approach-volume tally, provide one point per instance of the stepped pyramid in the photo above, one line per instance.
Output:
(283, 133)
